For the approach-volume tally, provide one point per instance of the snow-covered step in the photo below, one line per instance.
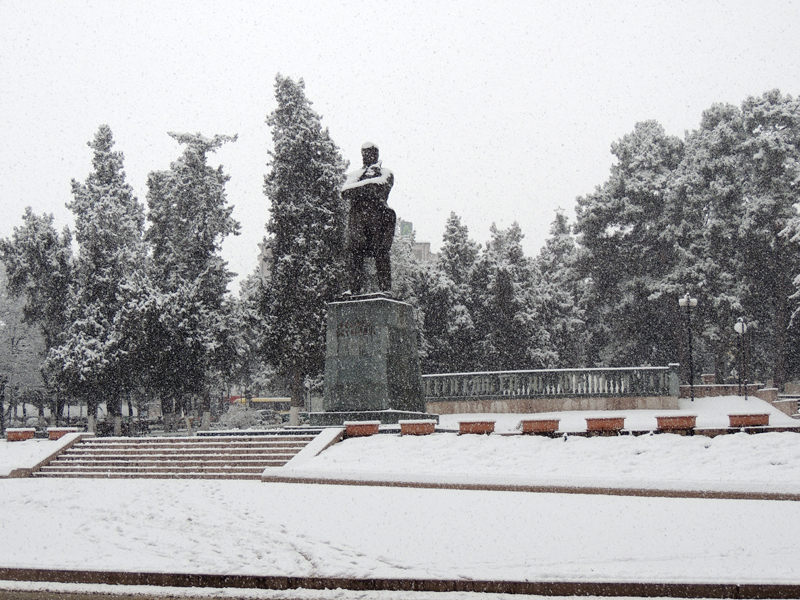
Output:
(188, 475)
(82, 452)
(123, 469)
(107, 464)
(242, 457)
(199, 445)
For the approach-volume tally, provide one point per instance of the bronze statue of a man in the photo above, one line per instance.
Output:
(371, 222)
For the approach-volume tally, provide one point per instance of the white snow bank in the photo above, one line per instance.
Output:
(14, 455)
(242, 527)
(768, 462)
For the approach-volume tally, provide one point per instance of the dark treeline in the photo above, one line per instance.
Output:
(141, 309)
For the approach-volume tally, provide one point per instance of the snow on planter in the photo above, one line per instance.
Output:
(605, 423)
(677, 422)
(483, 427)
(417, 427)
(361, 428)
(749, 420)
(20, 434)
(539, 425)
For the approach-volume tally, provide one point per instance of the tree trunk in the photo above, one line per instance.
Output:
(91, 416)
(3, 381)
(298, 397)
(188, 422)
(781, 333)
(168, 412)
(205, 425)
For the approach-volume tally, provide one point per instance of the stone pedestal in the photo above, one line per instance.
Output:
(371, 364)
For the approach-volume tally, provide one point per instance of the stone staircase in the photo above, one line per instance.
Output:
(206, 457)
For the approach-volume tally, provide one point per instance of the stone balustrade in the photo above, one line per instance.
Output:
(555, 383)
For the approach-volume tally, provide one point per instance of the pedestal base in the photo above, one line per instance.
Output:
(372, 360)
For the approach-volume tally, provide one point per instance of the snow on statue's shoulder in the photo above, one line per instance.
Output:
(374, 174)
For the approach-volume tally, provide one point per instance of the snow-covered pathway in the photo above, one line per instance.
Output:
(239, 527)
(343, 531)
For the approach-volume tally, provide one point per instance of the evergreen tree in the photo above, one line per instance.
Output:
(627, 252)
(183, 310)
(404, 266)
(706, 201)
(39, 267)
(90, 362)
(38, 264)
(442, 294)
(307, 228)
(458, 253)
(564, 293)
(433, 297)
(21, 346)
(506, 307)
(770, 257)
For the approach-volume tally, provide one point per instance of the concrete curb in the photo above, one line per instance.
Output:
(537, 588)
(321, 479)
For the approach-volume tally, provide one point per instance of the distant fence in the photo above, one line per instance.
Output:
(552, 383)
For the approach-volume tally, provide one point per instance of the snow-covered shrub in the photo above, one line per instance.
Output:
(240, 417)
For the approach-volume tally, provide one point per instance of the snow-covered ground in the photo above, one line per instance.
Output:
(355, 531)
(14, 455)
(768, 462)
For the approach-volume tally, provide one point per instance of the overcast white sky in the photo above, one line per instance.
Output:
(499, 111)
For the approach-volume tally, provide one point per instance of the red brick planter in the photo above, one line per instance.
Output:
(475, 427)
(749, 420)
(20, 434)
(677, 423)
(55, 433)
(417, 427)
(539, 425)
(605, 423)
(361, 428)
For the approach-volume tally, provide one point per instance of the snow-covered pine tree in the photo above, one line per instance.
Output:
(441, 292)
(459, 252)
(505, 306)
(185, 317)
(623, 229)
(706, 205)
(307, 228)
(404, 265)
(90, 363)
(38, 262)
(770, 254)
(564, 294)
(21, 346)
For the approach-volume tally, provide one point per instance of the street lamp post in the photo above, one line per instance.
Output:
(741, 328)
(688, 302)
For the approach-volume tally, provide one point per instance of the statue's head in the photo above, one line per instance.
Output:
(369, 153)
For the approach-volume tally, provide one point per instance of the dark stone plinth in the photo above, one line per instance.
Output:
(372, 360)
(386, 417)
